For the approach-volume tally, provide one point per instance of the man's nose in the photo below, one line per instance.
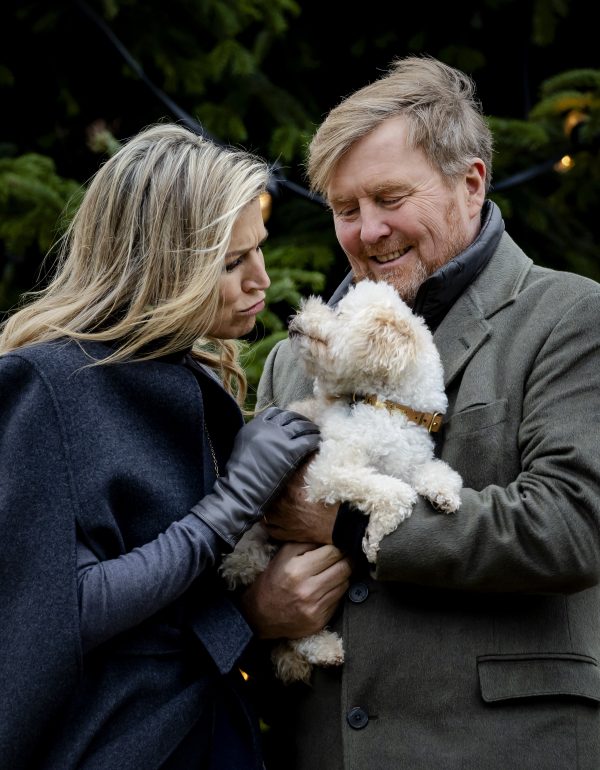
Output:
(373, 226)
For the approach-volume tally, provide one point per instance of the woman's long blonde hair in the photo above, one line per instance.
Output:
(141, 261)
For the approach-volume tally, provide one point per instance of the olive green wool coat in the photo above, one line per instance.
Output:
(476, 643)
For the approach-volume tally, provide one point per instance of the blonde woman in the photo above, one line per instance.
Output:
(127, 470)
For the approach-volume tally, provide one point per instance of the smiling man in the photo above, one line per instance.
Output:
(401, 226)
(475, 641)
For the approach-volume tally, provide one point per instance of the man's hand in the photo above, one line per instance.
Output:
(298, 592)
(292, 518)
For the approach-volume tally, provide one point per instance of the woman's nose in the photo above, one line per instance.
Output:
(258, 278)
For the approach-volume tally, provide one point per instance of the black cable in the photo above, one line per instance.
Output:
(277, 177)
(187, 120)
(526, 174)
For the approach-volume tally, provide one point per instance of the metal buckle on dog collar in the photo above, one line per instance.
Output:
(430, 420)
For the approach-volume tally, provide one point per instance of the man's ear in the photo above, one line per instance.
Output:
(475, 186)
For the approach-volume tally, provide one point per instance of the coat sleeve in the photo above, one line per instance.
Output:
(540, 532)
(281, 382)
(264, 392)
(39, 625)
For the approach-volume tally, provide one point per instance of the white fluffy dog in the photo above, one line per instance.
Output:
(378, 396)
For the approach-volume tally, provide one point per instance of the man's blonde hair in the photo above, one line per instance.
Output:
(438, 102)
(141, 261)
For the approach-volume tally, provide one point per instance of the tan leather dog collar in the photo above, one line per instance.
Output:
(430, 420)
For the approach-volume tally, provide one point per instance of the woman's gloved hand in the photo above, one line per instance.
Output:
(265, 452)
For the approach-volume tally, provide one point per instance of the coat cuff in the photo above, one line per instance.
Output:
(221, 628)
(349, 530)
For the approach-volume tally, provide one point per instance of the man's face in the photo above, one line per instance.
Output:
(395, 216)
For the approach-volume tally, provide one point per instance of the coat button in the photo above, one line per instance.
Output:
(358, 592)
(357, 718)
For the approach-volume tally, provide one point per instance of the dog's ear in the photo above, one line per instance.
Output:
(392, 343)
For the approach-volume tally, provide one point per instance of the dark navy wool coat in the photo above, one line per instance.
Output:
(113, 455)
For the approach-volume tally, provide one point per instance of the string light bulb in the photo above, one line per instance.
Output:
(266, 202)
(566, 163)
(573, 118)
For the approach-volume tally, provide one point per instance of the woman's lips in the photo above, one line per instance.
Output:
(254, 309)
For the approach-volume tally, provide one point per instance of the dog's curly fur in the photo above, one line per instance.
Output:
(370, 344)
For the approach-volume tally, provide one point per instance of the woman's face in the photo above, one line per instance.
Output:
(244, 279)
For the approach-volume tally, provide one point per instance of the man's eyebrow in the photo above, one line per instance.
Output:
(389, 187)
(340, 201)
(381, 188)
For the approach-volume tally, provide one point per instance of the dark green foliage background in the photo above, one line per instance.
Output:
(262, 75)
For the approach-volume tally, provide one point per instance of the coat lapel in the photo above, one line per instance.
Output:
(466, 327)
(460, 337)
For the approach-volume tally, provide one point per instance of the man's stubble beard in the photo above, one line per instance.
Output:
(407, 280)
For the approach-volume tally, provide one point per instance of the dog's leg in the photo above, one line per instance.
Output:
(248, 559)
(384, 518)
(440, 484)
(309, 407)
(289, 665)
(324, 648)
(373, 493)
(386, 500)
(294, 658)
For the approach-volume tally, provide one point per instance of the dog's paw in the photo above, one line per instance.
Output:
(440, 484)
(382, 523)
(370, 548)
(294, 659)
(289, 665)
(249, 558)
(324, 648)
(445, 502)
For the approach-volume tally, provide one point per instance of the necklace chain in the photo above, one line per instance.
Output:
(212, 452)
